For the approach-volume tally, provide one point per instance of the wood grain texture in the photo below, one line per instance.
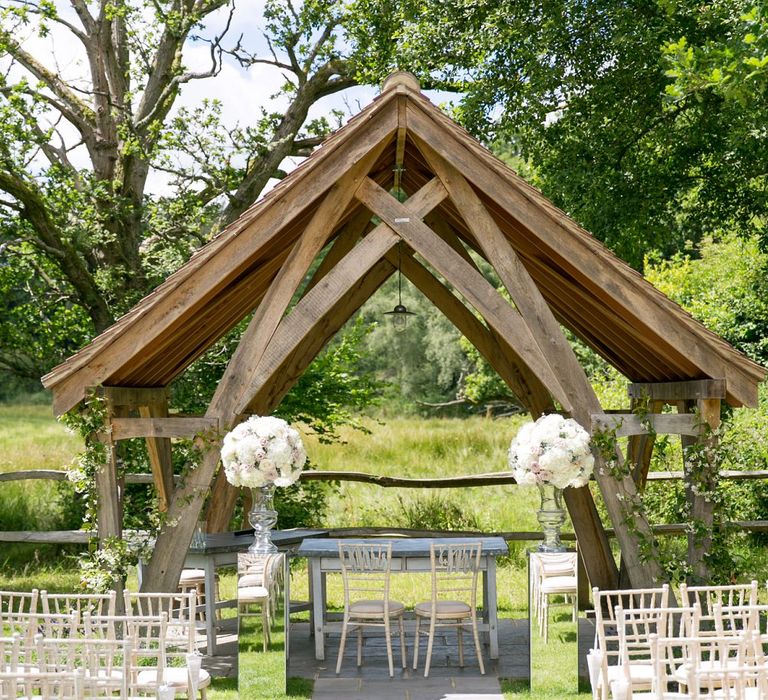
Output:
(671, 392)
(173, 427)
(160, 456)
(631, 424)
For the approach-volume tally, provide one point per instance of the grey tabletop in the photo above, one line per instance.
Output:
(222, 542)
(410, 546)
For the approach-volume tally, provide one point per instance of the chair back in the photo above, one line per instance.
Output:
(454, 570)
(708, 596)
(637, 626)
(180, 609)
(27, 625)
(103, 663)
(606, 603)
(14, 602)
(65, 603)
(365, 570)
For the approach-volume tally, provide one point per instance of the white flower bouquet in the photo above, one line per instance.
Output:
(261, 451)
(553, 450)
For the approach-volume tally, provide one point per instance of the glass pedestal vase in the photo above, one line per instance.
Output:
(551, 517)
(262, 517)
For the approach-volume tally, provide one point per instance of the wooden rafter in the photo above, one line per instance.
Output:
(553, 344)
(473, 286)
(305, 317)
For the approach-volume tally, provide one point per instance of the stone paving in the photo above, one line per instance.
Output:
(446, 681)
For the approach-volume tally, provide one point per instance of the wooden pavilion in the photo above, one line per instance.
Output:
(345, 203)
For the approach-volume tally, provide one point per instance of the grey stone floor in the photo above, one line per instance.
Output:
(446, 681)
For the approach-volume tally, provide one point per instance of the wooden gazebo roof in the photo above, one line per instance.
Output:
(459, 198)
(601, 299)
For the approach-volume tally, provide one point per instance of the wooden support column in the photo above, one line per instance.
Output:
(552, 344)
(160, 458)
(640, 447)
(701, 480)
(174, 537)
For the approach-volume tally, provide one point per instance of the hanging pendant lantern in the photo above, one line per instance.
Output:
(399, 315)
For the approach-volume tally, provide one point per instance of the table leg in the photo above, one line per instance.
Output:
(318, 603)
(493, 608)
(286, 593)
(210, 604)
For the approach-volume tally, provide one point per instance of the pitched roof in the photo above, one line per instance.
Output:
(590, 290)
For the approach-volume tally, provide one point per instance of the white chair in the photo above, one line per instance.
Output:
(454, 569)
(636, 669)
(27, 625)
(365, 571)
(606, 644)
(255, 587)
(707, 597)
(194, 580)
(554, 575)
(66, 603)
(181, 634)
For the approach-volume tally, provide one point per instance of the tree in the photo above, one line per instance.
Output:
(582, 92)
(78, 149)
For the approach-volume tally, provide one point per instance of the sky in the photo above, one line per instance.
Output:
(242, 92)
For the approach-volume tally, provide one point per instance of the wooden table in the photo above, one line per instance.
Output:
(408, 556)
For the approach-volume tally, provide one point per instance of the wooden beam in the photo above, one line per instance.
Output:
(173, 427)
(220, 261)
(579, 254)
(473, 286)
(632, 424)
(558, 353)
(671, 392)
(297, 327)
(133, 397)
(533, 394)
(640, 447)
(488, 479)
(465, 321)
(160, 456)
(344, 242)
(237, 377)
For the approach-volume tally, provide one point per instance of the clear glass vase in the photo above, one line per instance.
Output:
(262, 517)
(551, 517)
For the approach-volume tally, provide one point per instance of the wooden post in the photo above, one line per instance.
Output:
(553, 345)
(701, 480)
(160, 457)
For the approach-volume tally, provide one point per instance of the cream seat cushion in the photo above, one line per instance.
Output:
(375, 608)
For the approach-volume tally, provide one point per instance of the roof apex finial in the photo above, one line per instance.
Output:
(401, 77)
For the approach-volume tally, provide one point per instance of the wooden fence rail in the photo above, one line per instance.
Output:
(486, 479)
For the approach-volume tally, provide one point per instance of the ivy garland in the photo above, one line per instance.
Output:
(104, 567)
(702, 460)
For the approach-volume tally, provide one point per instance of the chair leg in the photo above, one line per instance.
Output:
(477, 645)
(265, 624)
(416, 644)
(359, 646)
(403, 650)
(460, 637)
(429, 645)
(388, 639)
(342, 644)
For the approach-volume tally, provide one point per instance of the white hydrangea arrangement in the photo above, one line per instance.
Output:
(263, 450)
(553, 450)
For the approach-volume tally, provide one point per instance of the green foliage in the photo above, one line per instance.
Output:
(435, 512)
(582, 92)
(303, 504)
(724, 284)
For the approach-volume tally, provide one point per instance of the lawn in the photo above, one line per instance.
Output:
(30, 438)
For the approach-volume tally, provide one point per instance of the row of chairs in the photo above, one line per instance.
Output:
(552, 575)
(365, 570)
(630, 622)
(159, 630)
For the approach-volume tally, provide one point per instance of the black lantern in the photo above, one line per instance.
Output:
(399, 315)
